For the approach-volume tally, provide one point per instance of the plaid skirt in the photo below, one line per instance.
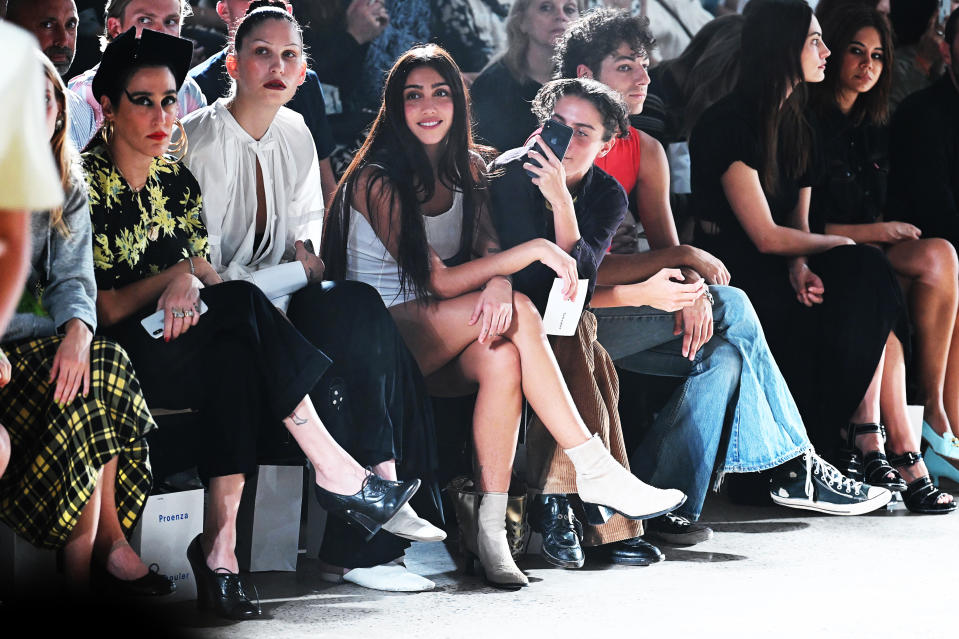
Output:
(57, 453)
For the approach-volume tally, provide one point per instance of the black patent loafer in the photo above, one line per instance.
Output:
(634, 552)
(152, 584)
(375, 504)
(220, 591)
(553, 518)
(677, 530)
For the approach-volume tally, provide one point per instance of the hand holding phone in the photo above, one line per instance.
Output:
(557, 136)
(153, 323)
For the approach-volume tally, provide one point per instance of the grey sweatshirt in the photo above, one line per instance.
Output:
(63, 268)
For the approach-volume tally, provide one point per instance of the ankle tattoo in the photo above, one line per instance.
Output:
(297, 420)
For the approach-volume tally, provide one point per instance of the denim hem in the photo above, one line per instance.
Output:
(782, 459)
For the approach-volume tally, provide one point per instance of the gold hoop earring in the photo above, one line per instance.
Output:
(106, 132)
(179, 147)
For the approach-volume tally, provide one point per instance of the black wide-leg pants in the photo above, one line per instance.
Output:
(244, 367)
(372, 399)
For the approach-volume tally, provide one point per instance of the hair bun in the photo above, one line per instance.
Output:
(259, 4)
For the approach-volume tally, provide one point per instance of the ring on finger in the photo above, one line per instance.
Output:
(177, 313)
(188, 313)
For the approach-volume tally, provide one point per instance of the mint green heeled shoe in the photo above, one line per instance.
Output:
(945, 445)
(938, 466)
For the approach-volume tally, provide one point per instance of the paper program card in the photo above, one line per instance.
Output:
(562, 316)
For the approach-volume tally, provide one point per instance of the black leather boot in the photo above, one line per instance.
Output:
(553, 518)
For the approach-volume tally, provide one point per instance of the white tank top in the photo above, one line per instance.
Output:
(367, 259)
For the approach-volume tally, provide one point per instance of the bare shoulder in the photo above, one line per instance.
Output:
(373, 189)
(654, 163)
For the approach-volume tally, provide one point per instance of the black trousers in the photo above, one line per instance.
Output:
(373, 400)
(828, 353)
(244, 367)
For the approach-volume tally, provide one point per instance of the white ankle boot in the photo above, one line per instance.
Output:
(605, 487)
(491, 545)
(408, 525)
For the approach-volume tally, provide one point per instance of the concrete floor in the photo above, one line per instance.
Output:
(766, 572)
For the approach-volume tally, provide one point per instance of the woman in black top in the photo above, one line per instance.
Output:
(502, 93)
(242, 365)
(750, 153)
(849, 198)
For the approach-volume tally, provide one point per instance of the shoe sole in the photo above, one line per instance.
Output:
(598, 514)
(562, 563)
(860, 508)
(689, 539)
(472, 561)
(637, 562)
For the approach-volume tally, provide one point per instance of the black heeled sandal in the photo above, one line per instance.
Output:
(921, 496)
(375, 504)
(872, 468)
(221, 592)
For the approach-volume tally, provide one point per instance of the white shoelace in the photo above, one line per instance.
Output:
(830, 474)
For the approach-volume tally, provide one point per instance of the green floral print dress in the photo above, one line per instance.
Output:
(137, 234)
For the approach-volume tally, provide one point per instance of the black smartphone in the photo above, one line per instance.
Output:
(556, 135)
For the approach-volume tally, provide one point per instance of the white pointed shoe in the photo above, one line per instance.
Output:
(408, 525)
(606, 487)
(391, 577)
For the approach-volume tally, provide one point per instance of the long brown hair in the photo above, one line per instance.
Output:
(396, 160)
(64, 155)
(707, 69)
(773, 37)
(843, 23)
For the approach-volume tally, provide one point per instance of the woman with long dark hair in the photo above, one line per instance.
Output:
(750, 160)
(849, 198)
(225, 351)
(410, 217)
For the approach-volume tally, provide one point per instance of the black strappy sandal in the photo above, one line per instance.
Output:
(921, 496)
(871, 468)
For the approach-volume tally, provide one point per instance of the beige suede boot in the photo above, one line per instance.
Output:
(606, 488)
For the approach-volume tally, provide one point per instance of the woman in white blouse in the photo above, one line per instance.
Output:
(258, 171)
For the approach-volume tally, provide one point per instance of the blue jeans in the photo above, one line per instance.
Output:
(733, 380)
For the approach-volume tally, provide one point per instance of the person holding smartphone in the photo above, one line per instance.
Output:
(715, 337)
(411, 218)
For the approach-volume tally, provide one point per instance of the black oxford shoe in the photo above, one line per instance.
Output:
(553, 518)
(634, 552)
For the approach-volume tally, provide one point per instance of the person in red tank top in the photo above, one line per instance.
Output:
(716, 345)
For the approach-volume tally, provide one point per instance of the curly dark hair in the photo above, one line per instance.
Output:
(608, 102)
(596, 35)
